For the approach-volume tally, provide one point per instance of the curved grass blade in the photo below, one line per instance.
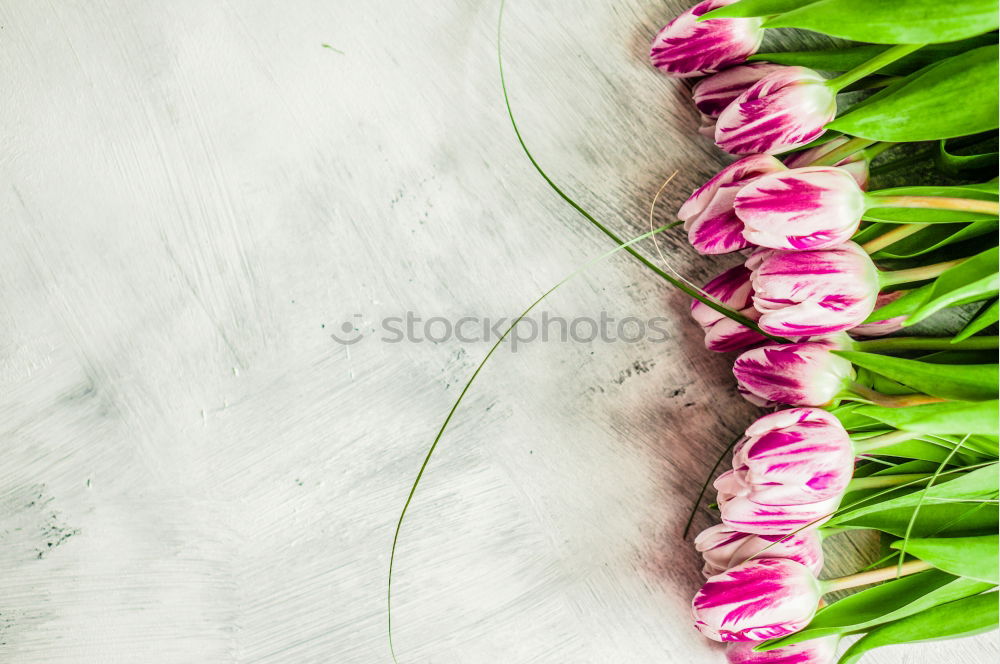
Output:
(461, 395)
(920, 502)
(679, 284)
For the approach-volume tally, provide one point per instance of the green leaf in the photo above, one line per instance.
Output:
(968, 382)
(951, 487)
(843, 59)
(749, 8)
(953, 417)
(972, 557)
(974, 165)
(965, 617)
(914, 449)
(910, 22)
(931, 103)
(905, 305)
(956, 519)
(988, 315)
(884, 603)
(976, 278)
(935, 236)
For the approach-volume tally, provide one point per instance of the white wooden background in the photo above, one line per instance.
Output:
(196, 193)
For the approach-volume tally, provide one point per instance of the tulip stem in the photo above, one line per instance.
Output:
(842, 152)
(922, 273)
(927, 343)
(881, 60)
(875, 576)
(868, 445)
(895, 235)
(883, 481)
(935, 203)
(893, 400)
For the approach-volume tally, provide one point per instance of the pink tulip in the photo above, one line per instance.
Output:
(856, 164)
(815, 651)
(782, 111)
(688, 47)
(755, 601)
(795, 456)
(815, 292)
(712, 94)
(814, 207)
(723, 548)
(797, 374)
(878, 328)
(722, 334)
(708, 215)
(741, 512)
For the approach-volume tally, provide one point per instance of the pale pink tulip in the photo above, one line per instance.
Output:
(815, 651)
(797, 374)
(813, 207)
(723, 548)
(732, 289)
(814, 292)
(795, 456)
(708, 215)
(740, 511)
(856, 164)
(688, 47)
(755, 601)
(784, 110)
(712, 94)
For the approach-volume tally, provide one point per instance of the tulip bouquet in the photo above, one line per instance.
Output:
(890, 433)
(864, 317)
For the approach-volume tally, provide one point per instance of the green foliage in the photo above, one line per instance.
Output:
(951, 417)
(986, 316)
(910, 22)
(964, 617)
(902, 215)
(965, 166)
(843, 59)
(951, 487)
(936, 236)
(969, 382)
(971, 557)
(932, 103)
(884, 603)
(976, 279)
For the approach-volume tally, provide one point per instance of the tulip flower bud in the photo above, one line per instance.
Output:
(712, 94)
(795, 456)
(741, 512)
(723, 548)
(722, 334)
(798, 374)
(782, 111)
(878, 328)
(755, 601)
(688, 47)
(815, 207)
(813, 293)
(708, 215)
(856, 164)
(815, 651)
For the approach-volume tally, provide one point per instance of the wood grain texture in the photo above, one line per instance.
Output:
(196, 194)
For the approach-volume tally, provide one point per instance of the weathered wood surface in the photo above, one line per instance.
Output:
(196, 194)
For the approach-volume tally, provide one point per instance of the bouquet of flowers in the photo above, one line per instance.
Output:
(882, 419)
(897, 434)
